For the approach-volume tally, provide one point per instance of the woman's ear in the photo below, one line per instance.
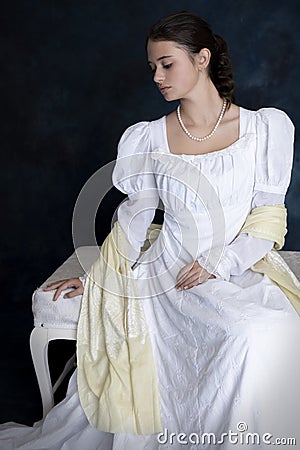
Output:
(203, 58)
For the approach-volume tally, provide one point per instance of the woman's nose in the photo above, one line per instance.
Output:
(158, 77)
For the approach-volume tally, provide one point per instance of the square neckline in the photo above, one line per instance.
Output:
(214, 152)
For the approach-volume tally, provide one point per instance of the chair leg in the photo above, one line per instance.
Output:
(39, 352)
(70, 364)
(39, 341)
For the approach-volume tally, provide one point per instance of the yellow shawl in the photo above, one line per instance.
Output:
(269, 222)
(117, 381)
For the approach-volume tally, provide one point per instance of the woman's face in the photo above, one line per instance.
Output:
(173, 70)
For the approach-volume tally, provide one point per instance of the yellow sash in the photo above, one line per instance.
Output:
(269, 222)
(117, 382)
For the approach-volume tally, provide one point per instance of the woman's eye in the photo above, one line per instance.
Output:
(167, 66)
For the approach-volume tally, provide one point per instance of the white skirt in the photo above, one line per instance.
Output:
(227, 358)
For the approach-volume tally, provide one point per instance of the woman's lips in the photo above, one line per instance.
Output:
(164, 89)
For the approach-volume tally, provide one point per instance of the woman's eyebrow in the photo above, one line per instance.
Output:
(162, 57)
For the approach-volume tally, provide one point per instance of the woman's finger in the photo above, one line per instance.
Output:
(196, 277)
(186, 278)
(78, 291)
(193, 280)
(184, 272)
(201, 278)
(53, 285)
(187, 282)
(188, 271)
(189, 279)
(58, 292)
(73, 283)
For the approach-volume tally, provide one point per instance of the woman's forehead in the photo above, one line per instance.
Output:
(159, 49)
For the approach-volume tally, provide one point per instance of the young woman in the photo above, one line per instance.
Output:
(223, 333)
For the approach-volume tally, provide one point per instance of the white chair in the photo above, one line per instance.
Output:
(58, 320)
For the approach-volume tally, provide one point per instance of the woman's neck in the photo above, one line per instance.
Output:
(202, 106)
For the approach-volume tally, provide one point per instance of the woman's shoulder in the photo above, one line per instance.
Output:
(140, 134)
(137, 138)
(142, 127)
(271, 116)
(274, 150)
(136, 129)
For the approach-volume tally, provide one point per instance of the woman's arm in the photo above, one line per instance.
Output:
(133, 175)
(246, 250)
(274, 160)
(238, 256)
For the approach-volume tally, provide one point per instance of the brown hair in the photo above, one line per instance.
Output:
(192, 33)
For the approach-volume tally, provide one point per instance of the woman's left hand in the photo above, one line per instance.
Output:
(191, 275)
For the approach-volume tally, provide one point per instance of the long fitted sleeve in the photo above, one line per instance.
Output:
(246, 250)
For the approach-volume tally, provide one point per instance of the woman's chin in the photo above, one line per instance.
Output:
(170, 98)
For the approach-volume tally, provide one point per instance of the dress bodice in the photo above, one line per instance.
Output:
(205, 194)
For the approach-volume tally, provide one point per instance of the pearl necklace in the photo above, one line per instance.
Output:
(200, 139)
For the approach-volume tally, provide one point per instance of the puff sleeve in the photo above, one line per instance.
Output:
(133, 175)
(274, 151)
(274, 159)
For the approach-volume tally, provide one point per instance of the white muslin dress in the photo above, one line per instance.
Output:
(227, 350)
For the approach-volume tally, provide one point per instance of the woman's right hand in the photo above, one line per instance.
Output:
(65, 284)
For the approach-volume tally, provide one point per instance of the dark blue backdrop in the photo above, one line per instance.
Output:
(73, 77)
